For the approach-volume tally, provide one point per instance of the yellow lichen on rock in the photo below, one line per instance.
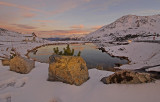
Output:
(5, 62)
(68, 69)
(21, 65)
(127, 77)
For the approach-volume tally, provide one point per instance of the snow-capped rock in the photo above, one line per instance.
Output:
(126, 27)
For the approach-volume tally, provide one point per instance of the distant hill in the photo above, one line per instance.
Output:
(67, 37)
(127, 27)
(9, 36)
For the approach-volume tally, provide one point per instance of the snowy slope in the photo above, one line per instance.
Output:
(127, 25)
(21, 42)
(10, 36)
(6, 35)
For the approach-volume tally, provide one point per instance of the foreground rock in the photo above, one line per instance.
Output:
(127, 77)
(5, 62)
(21, 65)
(68, 69)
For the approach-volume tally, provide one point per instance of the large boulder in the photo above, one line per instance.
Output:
(5, 62)
(127, 77)
(21, 65)
(68, 69)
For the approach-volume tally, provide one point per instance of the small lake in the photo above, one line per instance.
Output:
(89, 52)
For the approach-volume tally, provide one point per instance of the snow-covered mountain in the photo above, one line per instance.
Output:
(11, 36)
(127, 27)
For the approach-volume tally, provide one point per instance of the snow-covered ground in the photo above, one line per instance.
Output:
(139, 53)
(23, 47)
(21, 42)
(154, 69)
(34, 87)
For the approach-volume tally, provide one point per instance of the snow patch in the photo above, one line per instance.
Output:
(139, 53)
(154, 69)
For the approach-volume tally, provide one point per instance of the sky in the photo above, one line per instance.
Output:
(55, 18)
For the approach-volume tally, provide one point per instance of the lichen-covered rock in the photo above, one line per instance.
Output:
(5, 62)
(68, 69)
(127, 77)
(21, 65)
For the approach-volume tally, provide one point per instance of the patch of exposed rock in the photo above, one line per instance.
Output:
(21, 65)
(68, 69)
(127, 77)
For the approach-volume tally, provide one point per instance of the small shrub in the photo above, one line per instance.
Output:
(66, 51)
(79, 53)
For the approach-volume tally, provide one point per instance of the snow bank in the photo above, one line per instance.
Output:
(154, 69)
(34, 87)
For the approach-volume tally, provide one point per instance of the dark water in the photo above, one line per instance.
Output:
(89, 52)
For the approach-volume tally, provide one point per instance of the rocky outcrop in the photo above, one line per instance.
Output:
(5, 62)
(21, 65)
(68, 69)
(127, 77)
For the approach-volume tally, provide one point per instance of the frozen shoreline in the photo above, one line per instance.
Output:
(23, 48)
(139, 53)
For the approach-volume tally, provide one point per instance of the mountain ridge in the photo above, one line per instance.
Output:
(127, 25)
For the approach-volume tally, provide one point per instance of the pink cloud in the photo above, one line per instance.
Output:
(66, 6)
(28, 15)
(45, 21)
(19, 28)
(63, 6)
(77, 26)
(63, 32)
(20, 7)
(96, 27)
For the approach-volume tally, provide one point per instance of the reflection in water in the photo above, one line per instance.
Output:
(89, 53)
